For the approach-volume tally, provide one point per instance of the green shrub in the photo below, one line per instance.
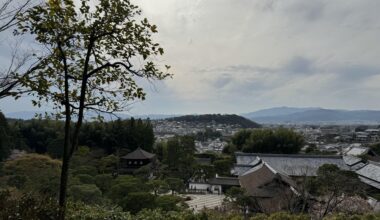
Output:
(88, 193)
(168, 202)
(85, 179)
(104, 182)
(90, 170)
(136, 201)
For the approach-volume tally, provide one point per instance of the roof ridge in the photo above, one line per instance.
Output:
(289, 155)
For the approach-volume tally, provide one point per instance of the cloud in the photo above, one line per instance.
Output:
(239, 56)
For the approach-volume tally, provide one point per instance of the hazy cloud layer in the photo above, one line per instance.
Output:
(239, 56)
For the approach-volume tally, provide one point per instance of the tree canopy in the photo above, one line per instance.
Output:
(277, 141)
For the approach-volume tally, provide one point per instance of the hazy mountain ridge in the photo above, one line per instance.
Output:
(315, 115)
(27, 115)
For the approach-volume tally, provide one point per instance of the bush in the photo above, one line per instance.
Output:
(136, 201)
(27, 207)
(34, 173)
(168, 202)
(103, 181)
(88, 193)
(90, 170)
(123, 185)
(85, 178)
(81, 211)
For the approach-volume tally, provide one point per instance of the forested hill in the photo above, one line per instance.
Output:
(217, 118)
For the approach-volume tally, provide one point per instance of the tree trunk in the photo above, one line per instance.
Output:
(63, 187)
(65, 169)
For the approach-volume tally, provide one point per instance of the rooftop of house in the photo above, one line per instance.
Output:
(357, 151)
(288, 164)
(227, 181)
(138, 154)
(370, 174)
(257, 181)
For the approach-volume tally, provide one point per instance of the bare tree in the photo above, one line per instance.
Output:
(11, 76)
(9, 10)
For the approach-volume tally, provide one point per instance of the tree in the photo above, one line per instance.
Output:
(333, 186)
(239, 197)
(4, 137)
(92, 65)
(175, 184)
(178, 155)
(136, 201)
(168, 202)
(158, 185)
(10, 78)
(280, 141)
(88, 193)
(34, 173)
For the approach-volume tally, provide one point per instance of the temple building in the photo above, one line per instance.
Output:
(136, 160)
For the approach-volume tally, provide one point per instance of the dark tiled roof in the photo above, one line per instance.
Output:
(139, 154)
(228, 181)
(291, 164)
(203, 161)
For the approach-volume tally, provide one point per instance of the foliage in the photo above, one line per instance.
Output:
(103, 182)
(14, 207)
(34, 173)
(239, 197)
(88, 170)
(26, 206)
(280, 216)
(123, 186)
(175, 184)
(333, 186)
(136, 201)
(118, 135)
(158, 186)
(167, 202)
(108, 164)
(4, 137)
(218, 119)
(376, 148)
(178, 156)
(88, 193)
(85, 178)
(46, 136)
(208, 133)
(223, 166)
(280, 141)
(43, 135)
(81, 211)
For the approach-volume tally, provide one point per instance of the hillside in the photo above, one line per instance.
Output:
(217, 118)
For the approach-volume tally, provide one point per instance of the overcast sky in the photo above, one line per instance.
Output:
(234, 56)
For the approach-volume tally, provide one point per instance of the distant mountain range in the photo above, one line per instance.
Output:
(278, 115)
(26, 115)
(229, 119)
(282, 115)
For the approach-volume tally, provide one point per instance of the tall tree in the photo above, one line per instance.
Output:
(94, 51)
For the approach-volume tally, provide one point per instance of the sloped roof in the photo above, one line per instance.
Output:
(139, 154)
(256, 181)
(292, 164)
(256, 177)
(351, 160)
(370, 174)
(229, 181)
(357, 151)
